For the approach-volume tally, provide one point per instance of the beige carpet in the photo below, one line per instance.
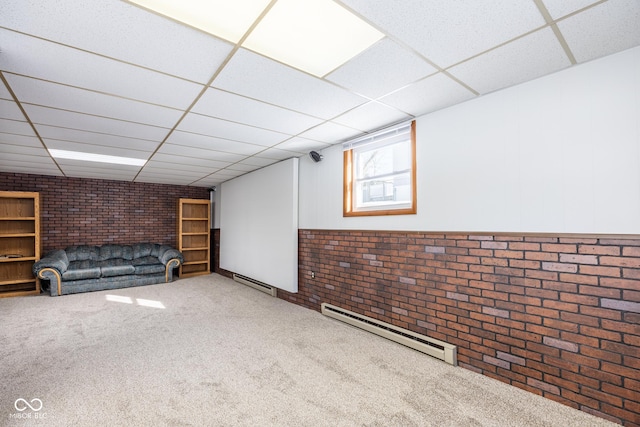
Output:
(222, 354)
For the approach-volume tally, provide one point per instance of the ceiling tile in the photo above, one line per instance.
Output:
(210, 126)
(371, 116)
(240, 167)
(52, 133)
(30, 150)
(283, 86)
(10, 110)
(184, 161)
(12, 139)
(331, 133)
(37, 58)
(560, 8)
(53, 117)
(36, 160)
(446, 31)
(154, 165)
(430, 94)
(258, 162)
(525, 59)
(38, 92)
(75, 167)
(301, 145)
(381, 69)
(236, 108)
(120, 30)
(16, 127)
(602, 30)
(211, 143)
(4, 92)
(28, 168)
(276, 154)
(164, 179)
(208, 154)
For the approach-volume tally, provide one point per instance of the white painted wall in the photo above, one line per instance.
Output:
(557, 154)
(259, 225)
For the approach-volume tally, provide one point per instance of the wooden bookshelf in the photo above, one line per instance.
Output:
(19, 243)
(194, 227)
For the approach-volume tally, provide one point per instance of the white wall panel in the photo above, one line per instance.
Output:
(259, 225)
(557, 154)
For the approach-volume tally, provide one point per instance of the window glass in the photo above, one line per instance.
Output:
(380, 176)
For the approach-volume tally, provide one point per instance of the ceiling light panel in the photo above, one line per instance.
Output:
(227, 19)
(99, 158)
(97, 149)
(315, 36)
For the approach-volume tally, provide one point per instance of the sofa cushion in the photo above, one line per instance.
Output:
(142, 250)
(148, 265)
(149, 269)
(78, 270)
(82, 253)
(116, 267)
(116, 251)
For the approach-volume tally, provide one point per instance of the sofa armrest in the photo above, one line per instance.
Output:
(169, 254)
(51, 268)
(56, 260)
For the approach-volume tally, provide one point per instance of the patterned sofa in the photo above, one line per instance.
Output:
(93, 268)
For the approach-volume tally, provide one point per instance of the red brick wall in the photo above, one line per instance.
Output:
(94, 212)
(557, 316)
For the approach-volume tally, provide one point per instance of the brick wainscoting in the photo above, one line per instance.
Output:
(94, 212)
(557, 316)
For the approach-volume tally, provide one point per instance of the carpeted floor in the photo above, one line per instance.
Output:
(207, 351)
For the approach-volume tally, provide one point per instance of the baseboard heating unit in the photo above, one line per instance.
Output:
(262, 287)
(432, 347)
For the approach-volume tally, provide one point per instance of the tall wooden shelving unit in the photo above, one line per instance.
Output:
(19, 242)
(194, 228)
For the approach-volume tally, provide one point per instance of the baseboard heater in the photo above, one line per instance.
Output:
(262, 287)
(431, 346)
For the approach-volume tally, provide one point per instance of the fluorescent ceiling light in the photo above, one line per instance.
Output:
(228, 19)
(100, 158)
(316, 36)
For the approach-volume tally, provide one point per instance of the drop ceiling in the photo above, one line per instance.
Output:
(109, 77)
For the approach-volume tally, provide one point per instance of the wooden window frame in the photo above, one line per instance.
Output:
(348, 209)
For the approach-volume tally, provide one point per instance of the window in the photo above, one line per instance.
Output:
(380, 173)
